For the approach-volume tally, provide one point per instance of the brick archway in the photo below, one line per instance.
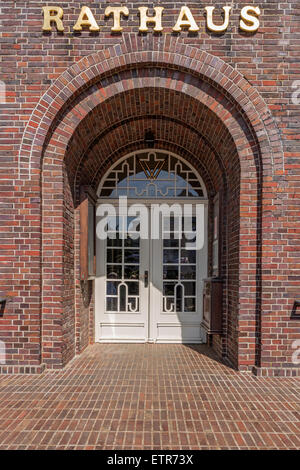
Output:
(90, 128)
(100, 80)
(169, 54)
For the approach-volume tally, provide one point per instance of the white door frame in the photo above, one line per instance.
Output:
(151, 318)
(124, 322)
(177, 328)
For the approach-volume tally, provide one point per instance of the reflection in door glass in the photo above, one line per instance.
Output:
(122, 274)
(179, 266)
(171, 256)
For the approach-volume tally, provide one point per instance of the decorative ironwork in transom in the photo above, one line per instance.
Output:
(152, 174)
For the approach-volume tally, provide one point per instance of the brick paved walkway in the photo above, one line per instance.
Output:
(148, 396)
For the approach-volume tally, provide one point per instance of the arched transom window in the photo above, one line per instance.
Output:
(152, 174)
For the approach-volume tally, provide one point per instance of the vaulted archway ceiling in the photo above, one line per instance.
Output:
(179, 121)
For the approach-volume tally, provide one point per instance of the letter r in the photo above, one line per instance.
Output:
(53, 14)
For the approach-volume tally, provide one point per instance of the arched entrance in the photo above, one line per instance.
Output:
(151, 250)
(97, 112)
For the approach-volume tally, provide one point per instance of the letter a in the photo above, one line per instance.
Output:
(185, 18)
(86, 18)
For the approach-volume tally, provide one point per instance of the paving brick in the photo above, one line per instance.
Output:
(235, 410)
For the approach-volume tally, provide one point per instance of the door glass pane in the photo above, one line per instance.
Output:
(114, 256)
(188, 272)
(190, 304)
(133, 288)
(169, 288)
(170, 272)
(188, 241)
(113, 242)
(188, 256)
(131, 272)
(179, 265)
(122, 271)
(131, 256)
(171, 256)
(189, 288)
(131, 242)
(114, 271)
(112, 288)
(111, 304)
(171, 241)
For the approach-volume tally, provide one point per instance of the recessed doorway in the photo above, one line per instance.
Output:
(153, 259)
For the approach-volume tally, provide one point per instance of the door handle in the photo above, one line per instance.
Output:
(146, 279)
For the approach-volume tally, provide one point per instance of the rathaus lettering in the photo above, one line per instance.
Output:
(249, 19)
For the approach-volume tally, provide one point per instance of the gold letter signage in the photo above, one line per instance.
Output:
(249, 23)
(116, 12)
(144, 19)
(216, 27)
(86, 18)
(186, 19)
(53, 14)
(249, 19)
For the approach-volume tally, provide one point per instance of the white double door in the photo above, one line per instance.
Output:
(150, 290)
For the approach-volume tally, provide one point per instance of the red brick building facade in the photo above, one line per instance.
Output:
(76, 102)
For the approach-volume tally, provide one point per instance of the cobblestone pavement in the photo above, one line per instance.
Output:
(142, 396)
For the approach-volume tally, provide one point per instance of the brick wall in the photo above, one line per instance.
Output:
(67, 118)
